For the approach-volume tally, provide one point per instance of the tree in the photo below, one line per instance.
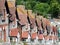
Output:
(42, 8)
(54, 8)
(30, 5)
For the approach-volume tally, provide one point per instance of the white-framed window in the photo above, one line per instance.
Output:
(34, 29)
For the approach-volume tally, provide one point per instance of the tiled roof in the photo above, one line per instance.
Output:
(44, 22)
(38, 22)
(12, 13)
(21, 8)
(22, 11)
(22, 17)
(32, 19)
(33, 35)
(10, 4)
(25, 34)
(32, 22)
(11, 0)
(14, 32)
(2, 2)
(12, 10)
(30, 14)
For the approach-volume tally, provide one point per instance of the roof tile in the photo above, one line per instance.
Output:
(22, 17)
(2, 2)
(10, 4)
(12, 10)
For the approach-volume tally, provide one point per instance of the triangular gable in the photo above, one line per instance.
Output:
(21, 9)
(31, 18)
(12, 10)
(10, 4)
(38, 22)
(30, 14)
(22, 17)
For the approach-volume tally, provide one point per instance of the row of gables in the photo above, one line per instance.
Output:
(23, 23)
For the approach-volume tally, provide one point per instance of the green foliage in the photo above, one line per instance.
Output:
(54, 8)
(43, 7)
(30, 5)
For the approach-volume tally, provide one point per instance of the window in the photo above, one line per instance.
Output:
(13, 25)
(0, 14)
(3, 20)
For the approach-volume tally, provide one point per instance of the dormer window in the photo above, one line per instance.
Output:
(13, 25)
(3, 20)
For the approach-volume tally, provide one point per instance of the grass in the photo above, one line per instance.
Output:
(13, 43)
(25, 43)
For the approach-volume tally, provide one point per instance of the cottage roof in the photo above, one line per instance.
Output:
(31, 18)
(22, 17)
(12, 10)
(2, 2)
(10, 4)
